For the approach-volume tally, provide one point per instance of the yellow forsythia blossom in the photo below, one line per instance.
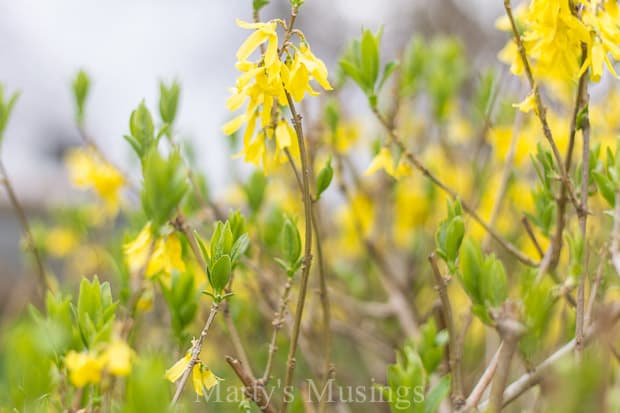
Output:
(263, 84)
(384, 160)
(202, 377)
(165, 257)
(59, 242)
(117, 357)
(84, 368)
(88, 171)
(554, 34)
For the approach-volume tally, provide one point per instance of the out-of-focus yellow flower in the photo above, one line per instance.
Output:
(345, 136)
(166, 255)
(601, 17)
(117, 358)
(59, 241)
(411, 209)
(84, 368)
(88, 171)
(528, 104)
(202, 377)
(384, 160)
(355, 221)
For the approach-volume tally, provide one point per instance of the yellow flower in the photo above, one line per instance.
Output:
(165, 257)
(202, 377)
(88, 171)
(59, 241)
(345, 136)
(604, 25)
(117, 358)
(84, 368)
(384, 160)
(528, 104)
(263, 85)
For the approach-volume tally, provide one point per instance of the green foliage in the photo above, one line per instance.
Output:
(484, 280)
(607, 177)
(81, 88)
(544, 194)
(576, 245)
(228, 243)
(484, 95)
(147, 391)
(431, 345)
(142, 131)
(6, 107)
(450, 234)
(95, 311)
(538, 302)
(255, 190)
(324, 178)
(169, 101)
(182, 302)
(290, 245)
(361, 63)
(165, 185)
(257, 5)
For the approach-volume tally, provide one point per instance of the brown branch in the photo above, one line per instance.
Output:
(255, 393)
(23, 220)
(484, 381)
(510, 330)
(277, 325)
(530, 233)
(453, 359)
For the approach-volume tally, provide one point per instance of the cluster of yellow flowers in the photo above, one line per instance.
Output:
(554, 32)
(163, 254)
(87, 367)
(88, 170)
(202, 377)
(264, 84)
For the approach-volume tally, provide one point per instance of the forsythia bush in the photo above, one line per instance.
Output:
(446, 250)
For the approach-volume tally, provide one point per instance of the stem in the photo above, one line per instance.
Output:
(483, 383)
(305, 271)
(530, 233)
(531, 378)
(466, 207)
(196, 348)
(583, 215)
(277, 325)
(23, 219)
(234, 337)
(510, 330)
(253, 392)
(453, 352)
(327, 338)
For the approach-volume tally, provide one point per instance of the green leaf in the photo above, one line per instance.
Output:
(169, 101)
(239, 248)
(220, 273)
(494, 285)
(257, 5)
(369, 58)
(5, 110)
(81, 87)
(437, 394)
(142, 129)
(389, 68)
(606, 187)
(255, 190)
(290, 244)
(471, 274)
(325, 178)
(583, 117)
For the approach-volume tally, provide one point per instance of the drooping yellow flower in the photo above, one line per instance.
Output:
(603, 21)
(165, 257)
(384, 160)
(528, 104)
(202, 376)
(117, 358)
(263, 84)
(88, 171)
(84, 368)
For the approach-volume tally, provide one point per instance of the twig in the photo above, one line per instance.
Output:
(594, 289)
(484, 381)
(583, 218)
(453, 360)
(196, 348)
(23, 219)
(234, 337)
(530, 233)
(395, 138)
(255, 393)
(510, 330)
(307, 259)
(277, 325)
(529, 379)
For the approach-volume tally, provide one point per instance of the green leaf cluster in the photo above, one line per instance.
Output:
(450, 234)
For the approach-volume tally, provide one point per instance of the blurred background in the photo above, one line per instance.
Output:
(128, 46)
